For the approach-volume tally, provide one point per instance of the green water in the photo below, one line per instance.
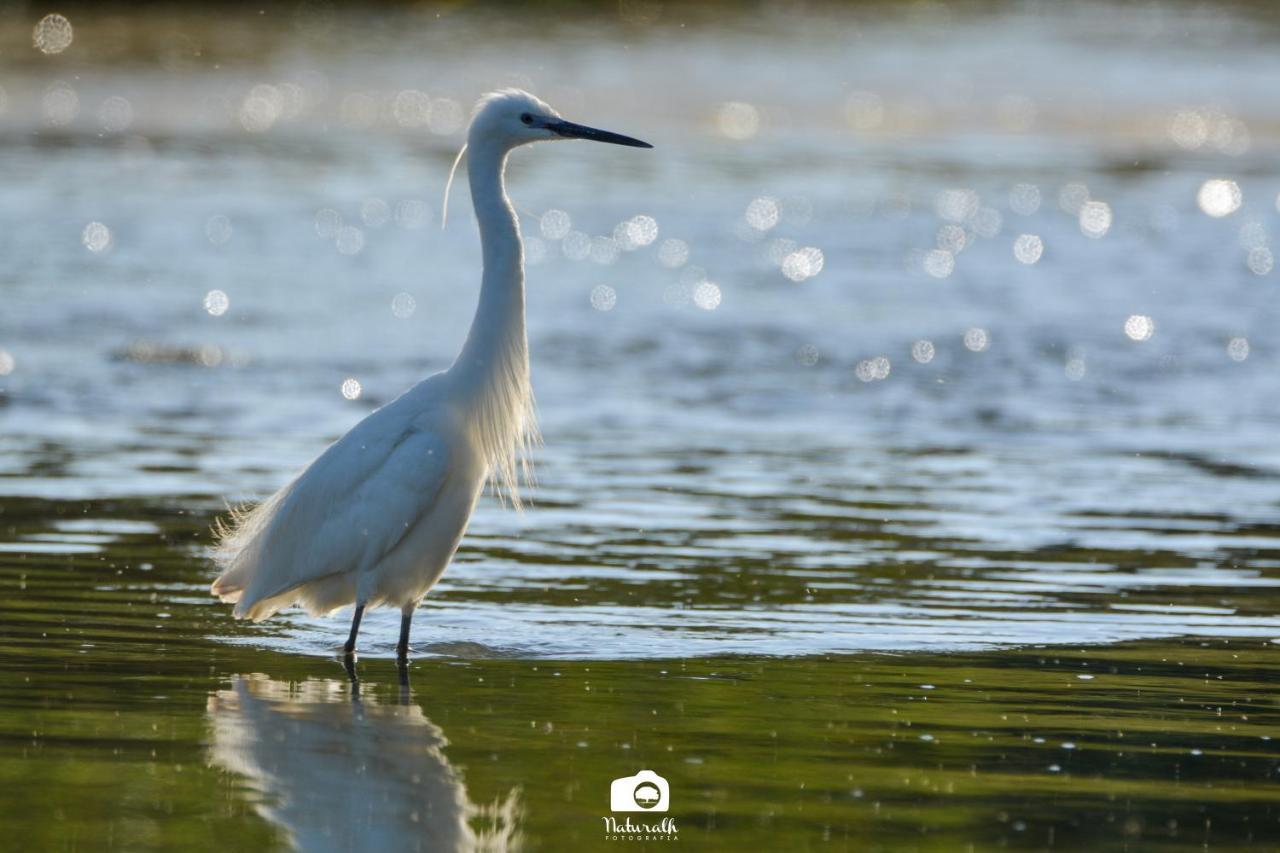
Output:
(126, 724)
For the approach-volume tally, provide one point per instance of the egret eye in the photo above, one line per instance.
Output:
(527, 118)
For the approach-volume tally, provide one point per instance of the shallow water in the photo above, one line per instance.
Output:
(1022, 593)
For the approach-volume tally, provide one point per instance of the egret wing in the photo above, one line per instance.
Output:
(350, 508)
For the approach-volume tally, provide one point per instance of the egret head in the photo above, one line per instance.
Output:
(512, 117)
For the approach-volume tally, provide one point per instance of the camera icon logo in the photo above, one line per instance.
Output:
(644, 792)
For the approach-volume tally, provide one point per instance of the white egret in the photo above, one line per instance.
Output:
(376, 518)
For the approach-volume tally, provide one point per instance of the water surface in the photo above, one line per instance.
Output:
(922, 495)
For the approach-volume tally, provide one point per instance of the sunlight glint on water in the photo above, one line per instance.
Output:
(835, 402)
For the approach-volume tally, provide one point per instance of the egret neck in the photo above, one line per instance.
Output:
(493, 366)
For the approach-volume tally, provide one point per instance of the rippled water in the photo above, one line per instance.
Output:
(753, 487)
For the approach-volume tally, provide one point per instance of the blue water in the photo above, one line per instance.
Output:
(717, 476)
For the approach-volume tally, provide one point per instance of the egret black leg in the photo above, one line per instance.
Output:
(350, 647)
(402, 647)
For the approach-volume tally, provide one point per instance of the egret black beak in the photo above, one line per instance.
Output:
(569, 130)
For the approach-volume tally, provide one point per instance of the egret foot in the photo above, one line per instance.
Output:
(349, 664)
(402, 670)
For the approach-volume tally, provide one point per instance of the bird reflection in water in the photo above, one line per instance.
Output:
(337, 770)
